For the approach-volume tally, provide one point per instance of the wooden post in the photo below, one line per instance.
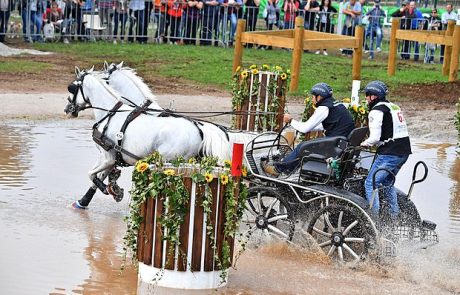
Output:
(453, 72)
(448, 49)
(238, 55)
(297, 53)
(393, 47)
(358, 53)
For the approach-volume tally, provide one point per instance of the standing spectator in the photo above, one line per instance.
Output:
(310, 8)
(148, 4)
(324, 24)
(55, 17)
(210, 22)
(229, 14)
(136, 19)
(159, 20)
(174, 19)
(291, 7)
(73, 15)
(193, 13)
(5, 8)
(433, 23)
(251, 13)
(410, 17)
(352, 11)
(445, 18)
(105, 11)
(271, 18)
(374, 28)
(120, 18)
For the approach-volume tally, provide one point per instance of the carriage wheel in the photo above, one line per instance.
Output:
(267, 214)
(342, 232)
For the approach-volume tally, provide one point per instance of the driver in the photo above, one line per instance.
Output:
(388, 131)
(332, 117)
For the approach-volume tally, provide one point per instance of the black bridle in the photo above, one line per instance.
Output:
(74, 88)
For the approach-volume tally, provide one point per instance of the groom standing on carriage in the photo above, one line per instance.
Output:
(331, 117)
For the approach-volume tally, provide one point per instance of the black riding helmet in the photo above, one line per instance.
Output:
(321, 89)
(377, 88)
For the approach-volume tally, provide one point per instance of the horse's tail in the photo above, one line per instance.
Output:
(215, 142)
(241, 137)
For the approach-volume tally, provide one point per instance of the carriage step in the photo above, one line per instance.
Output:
(252, 162)
(428, 224)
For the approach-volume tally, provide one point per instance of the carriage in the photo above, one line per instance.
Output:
(325, 197)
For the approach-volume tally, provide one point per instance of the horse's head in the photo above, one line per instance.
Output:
(77, 99)
(110, 68)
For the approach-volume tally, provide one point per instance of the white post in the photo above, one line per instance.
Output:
(340, 18)
(355, 92)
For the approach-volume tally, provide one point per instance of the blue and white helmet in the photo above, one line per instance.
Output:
(377, 88)
(321, 89)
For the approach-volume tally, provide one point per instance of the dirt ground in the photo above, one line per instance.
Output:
(429, 108)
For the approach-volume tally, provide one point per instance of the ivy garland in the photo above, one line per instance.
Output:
(152, 178)
(246, 84)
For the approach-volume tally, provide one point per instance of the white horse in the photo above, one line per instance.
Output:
(126, 81)
(170, 136)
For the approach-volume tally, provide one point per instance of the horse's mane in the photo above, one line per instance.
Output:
(109, 89)
(132, 74)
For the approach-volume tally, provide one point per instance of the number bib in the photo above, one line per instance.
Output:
(399, 123)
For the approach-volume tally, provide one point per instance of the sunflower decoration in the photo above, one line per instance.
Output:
(346, 100)
(253, 67)
(255, 71)
(244, 74)
(359, 112)
(169, 172)
(224, 179)
(265, 67)
(244, 171)
(192, 161)
(142, 167)
(227, 164)
(283, 76)
(208, 177)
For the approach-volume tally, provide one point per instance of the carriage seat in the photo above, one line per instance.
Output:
(314, 156)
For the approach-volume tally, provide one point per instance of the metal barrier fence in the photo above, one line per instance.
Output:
(191, 22)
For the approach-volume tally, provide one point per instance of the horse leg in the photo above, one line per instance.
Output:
(106, 165)
(88, 196)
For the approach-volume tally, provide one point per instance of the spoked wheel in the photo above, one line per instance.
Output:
(342, 232)
(267, 214)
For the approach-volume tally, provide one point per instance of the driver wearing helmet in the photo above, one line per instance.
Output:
(332, 118)
(387, 131)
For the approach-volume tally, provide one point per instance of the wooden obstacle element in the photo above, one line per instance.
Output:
(263, 108)
(194, 262)
(450, 38)
(299, 40)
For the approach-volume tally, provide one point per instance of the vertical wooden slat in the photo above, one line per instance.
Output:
(448, 49)
(244, 116)
(231, 240)
(282, 100)
(141, 235)
(158, 243)
(393, 46)
(209, 252)
(238, 56)
(197, 230)
(453, 71)
(220, 223)
(297, 53)
(183, 233)
(358, 53)
(149, 215)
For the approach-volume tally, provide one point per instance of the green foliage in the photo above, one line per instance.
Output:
(457, 119)
(23, 66)
(152, 178)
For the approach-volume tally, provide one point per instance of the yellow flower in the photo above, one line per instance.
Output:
(355, 108)
(362, 110)
(142, 166)
(283, 76)
(252, 67)
(223, 179)
(169, 172)
(307, 100)
(208, 177)
(192, 161)
(278, 68)
(255, 71)
(265, 67)
(227, 163)
(238, 69)
(346, 100)
(244, 172)
(244, 74)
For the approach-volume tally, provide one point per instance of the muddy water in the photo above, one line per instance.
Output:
(48, 248)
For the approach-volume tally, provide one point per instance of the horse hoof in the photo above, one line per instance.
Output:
(116, 191)
(76, 205)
